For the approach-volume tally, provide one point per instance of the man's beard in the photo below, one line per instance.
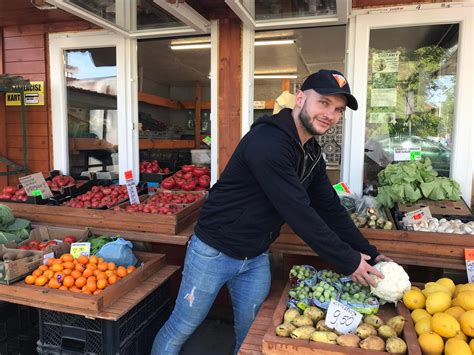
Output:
(306, 122)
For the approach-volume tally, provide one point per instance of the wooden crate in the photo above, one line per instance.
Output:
(140, 222)
(151, 264)
(276, 345)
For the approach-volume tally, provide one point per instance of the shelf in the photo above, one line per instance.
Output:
(78, 144)
(164, 102)
(166, 144)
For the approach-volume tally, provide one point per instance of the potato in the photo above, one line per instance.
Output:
(315, 313)
(303, 332)
(365, 330)
(386, 331)
(321, 326)
(396, 345)
(284, 329)
(324, 337)
(290, 314)
(373, 320)
(350, 340)
(301, 321)
(397, 323)
(372, 343)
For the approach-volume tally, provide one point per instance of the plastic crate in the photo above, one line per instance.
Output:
(63, 333)
(16, 319)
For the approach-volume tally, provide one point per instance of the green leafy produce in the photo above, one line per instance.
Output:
(18, 223)
(99, 242)
(6, 215)
(411, 181)
(9, 237)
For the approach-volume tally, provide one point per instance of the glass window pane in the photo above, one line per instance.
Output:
(411, 95)
(150, 16)
(91, 77)
(281, 9)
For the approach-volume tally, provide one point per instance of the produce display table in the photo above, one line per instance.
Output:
(405, 247)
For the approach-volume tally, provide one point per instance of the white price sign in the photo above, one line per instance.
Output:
(342, 318)
(131, 188)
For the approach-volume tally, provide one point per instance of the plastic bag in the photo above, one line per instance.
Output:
(119, 252)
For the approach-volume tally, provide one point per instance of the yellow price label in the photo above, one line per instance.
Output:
(78, 249)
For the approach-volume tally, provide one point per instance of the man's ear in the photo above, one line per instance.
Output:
(300, 99)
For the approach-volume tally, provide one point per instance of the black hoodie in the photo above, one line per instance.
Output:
(271, 179)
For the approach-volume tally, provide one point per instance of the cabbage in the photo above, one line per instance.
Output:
(6, 215)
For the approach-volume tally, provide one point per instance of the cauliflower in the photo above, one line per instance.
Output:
(395, 283)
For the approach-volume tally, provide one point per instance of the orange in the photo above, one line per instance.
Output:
(49, 262)
(80, 267)
(83, 259)
(91, 285)
(68, 281)
(121, 271)
(63, 288)
(87, 272)
(111, 266)
(93, 259)
(100, 260)
(58, 276)
(112, 279)
(86, 291)
(91, 266)
(131, 268)
(67, 272)
(101, 284)
(80, 282)
(43, 268)
(67, 257)
(101, 276)
(92, 278)
(102, 266)
(68, 265)
(41, 281)
(48, 274)
(57, 267)
(57, 261)
(75, 262)
(74, 289)
(109, 272)
(37, 273)
(97, 272)
(97, 292)
(53, 283)
(76, 274)
(30, 279)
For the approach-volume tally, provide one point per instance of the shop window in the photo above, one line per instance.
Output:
(410, 97)
(174, 102)
(276, 9)
(91, 81)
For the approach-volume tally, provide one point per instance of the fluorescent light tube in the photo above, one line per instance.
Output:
(208, 45)
(275, 76)
(191, 46)
(274, 42)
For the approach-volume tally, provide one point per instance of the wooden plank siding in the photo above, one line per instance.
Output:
(3, 120)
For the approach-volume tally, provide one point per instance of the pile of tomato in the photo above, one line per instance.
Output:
(100, 196)
(189, 178)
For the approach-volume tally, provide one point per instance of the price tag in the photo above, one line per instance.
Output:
(78, 249)
(341, 188)
(404, 154)
(259, 105)
(35, 185)
(342, 318)
(131, 188)
(47, 256)
(419, 215)
(469, 257)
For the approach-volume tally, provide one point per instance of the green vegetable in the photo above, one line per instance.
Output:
(18, 223)
(6, 215)
(99, 242)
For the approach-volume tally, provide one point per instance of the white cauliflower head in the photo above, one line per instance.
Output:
(393, 285)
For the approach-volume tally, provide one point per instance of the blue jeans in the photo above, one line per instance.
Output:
(206, 270)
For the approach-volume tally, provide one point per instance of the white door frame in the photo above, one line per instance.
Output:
(361, 25)
(127, 111)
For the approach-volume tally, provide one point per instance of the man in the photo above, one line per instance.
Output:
(275, 175)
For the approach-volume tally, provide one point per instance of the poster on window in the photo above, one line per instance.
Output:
(385, 62)
(382, 117)
(383, 97)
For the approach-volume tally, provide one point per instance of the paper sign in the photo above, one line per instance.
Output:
(405, 154)
(342, 318)
(259, 105)
(422, 214)
(383, 98)
(78, 249)
(341, 188)
(131, 188)
(469, 257)
(34, 95)
(47, 256)
(385, 62)
(34, 182)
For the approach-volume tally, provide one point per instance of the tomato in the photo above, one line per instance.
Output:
(204, 181)
(51, 242)
(179, 182)
(189, 175)
(189, 185)
(69, 239)
(168, 183)
(9, 190)
(200, 171)
(187, 168)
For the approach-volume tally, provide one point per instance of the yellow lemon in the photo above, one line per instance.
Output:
(431, 343)
(471, 345)
(445, 325)
(419, 314)
(438, 302)
(466, 300)
(456, 347)
(434, 287)
(423, 326)
(461, 336)
(467, 323)
(414, 299)
(448, 283)
(455, 311)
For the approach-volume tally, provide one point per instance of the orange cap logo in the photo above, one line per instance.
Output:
(341, 81)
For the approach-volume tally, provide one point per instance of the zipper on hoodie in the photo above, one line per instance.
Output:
(305, 158)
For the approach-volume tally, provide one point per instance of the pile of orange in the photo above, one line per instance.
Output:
(89, 275)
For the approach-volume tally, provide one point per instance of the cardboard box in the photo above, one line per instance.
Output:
(46, 234)
(14, 270)
(437, 208)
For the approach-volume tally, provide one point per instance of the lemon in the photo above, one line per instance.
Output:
(467, 323)
(423, 326)
(414, 299)
(464, 287)
(461, 336)
(471, 345)
(445, 325)
(419, 314)
(456, 347)
(455, 311)
(431, 343)
(448, 283)
(438, 302)
(434, 287)
(466, 300)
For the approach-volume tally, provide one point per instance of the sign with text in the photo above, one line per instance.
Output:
(78, 249)
(469, 257)
(34, 95)
(417, 216)
(342, 318)
(385, 62)
(131, 188)
(259, 105)
(405, 154)
(35, 185)
(46, 257)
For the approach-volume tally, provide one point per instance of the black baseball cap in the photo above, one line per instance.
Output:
(330, 82)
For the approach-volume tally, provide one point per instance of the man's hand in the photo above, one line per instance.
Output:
(382, 257)
(362, 273)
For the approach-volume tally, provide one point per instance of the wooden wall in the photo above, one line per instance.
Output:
(25, 53)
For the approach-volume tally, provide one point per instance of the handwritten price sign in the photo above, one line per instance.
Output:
(342, 318)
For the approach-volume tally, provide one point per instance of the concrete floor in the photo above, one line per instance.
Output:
(213, 337)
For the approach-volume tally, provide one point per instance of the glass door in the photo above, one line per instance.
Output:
(411, 77)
